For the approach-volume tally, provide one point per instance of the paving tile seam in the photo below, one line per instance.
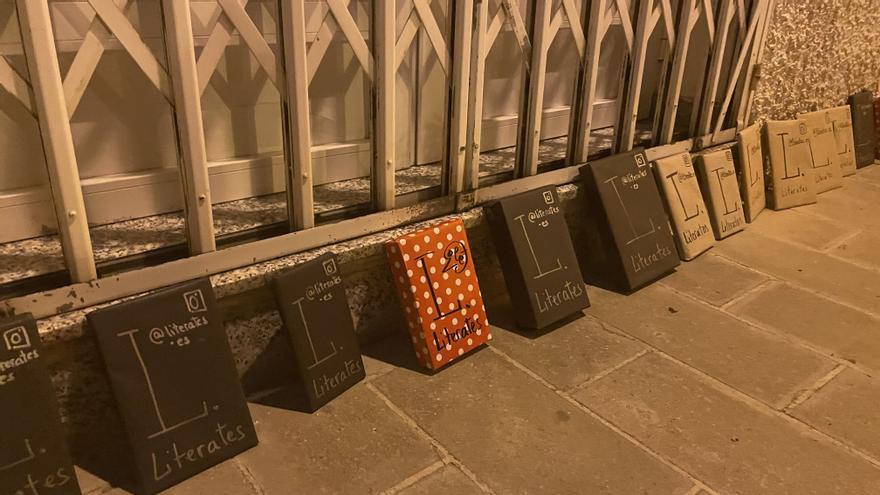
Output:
(812, 390)
(248, 476)
(754, 291)
(781, 334)
(740, 264)
(828, 251)
(812, 291)
(412, 480)
(846, 239)
(607, 423)
(760, 406)
(767, 329)
(597, 376)
(825, 352)
(445, 456)
(695, 490)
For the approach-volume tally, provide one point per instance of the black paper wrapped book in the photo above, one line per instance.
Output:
(175, 383)
(311, 299)
(537, 257)
(864, 134)
(630, 243)
(33, 453)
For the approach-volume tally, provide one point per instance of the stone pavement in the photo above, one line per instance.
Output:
(751, 370)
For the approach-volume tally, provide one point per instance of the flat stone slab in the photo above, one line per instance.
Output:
(568, 355)
(518, 436)
(748, 359)
(795, 226)
(713, 279)
(355, 444)
(841, 280)
(846, 408)
(732, 446)
(862, 248)
(845, 332)
(448, 479)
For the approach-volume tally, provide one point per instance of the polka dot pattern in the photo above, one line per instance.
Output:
(441, 330)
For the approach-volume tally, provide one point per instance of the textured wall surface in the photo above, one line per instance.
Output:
(817, 53)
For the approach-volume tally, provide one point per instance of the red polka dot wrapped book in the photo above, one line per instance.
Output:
(437, 285)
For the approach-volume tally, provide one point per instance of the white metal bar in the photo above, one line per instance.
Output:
(734, 74)
(716, 65)
(385, 41)
(644, 27)
(756, 64)
(479, 51)
(253, 39)
(214, 48)
(690, 13)
(582, 113)
(407, 36)
(86, 60)
(353, 35)
(119, 25)
(190, 131)
(435, 36)
(45, 77)
(574, 23)
(300, 188)
(460, 77)
(530, 133)
(15, 85)
(319, 47)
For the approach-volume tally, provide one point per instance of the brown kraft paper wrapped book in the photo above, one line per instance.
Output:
(864, 134)
(33, 454)
(789, 171)
(684, 203)
(630, 243)
(823, 151)
(876, 128)
(175, 383)
(750, 171)
(537, 257)
(721, 192)
(841, 121)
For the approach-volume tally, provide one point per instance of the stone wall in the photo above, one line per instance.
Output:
(817, 53)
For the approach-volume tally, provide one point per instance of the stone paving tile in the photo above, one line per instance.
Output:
(224, 478)
(845, 332)
(448, 479)
(862, 249)
(726, 443)
(870, 174)
(89, 482)
(847, 282)
(518, 436)
(802, 228)
(355, 444)
(713, 279)
(566, 356)
(853, 205)
(748, 359)
(846, 408)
